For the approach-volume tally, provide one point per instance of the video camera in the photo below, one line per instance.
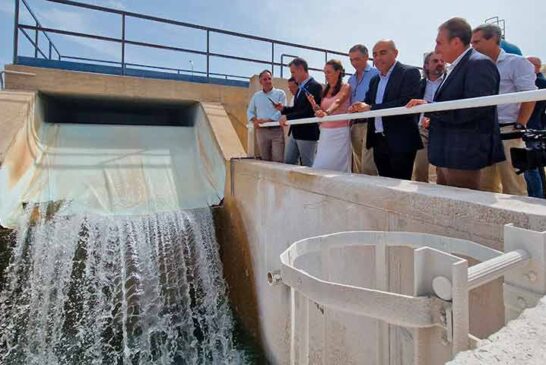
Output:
(531, 157)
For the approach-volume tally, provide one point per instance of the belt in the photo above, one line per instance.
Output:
(360, 121)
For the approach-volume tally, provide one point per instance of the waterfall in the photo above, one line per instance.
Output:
(92, 289)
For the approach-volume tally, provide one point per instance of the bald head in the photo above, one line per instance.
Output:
(389, 43)
(536, 62)
(384, 55)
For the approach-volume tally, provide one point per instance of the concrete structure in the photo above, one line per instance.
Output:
(233, 99)
(269, 206)
(279, 205)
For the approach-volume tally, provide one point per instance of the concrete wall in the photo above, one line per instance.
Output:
(274, 205)
(233, 99)
(15, 109)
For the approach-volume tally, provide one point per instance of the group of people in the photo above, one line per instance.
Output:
(465, 145)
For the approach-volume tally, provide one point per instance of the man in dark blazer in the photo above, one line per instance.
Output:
(302, 139)
(395, 140)
(461, 142)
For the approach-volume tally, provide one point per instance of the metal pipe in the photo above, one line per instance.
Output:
(38, 22)
(16, 32)
(32, 42)
(272, 58)
(190, 25)
(123, 44)
(10, 72)
(36, 42)
(492, 269)
(208, 54)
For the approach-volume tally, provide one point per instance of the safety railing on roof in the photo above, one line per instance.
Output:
(125, 40)
(510, 98)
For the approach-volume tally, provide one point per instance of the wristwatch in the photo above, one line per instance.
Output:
(519, 126)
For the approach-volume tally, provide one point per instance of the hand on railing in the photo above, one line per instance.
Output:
(283, 121)
(359, 107)
(415, 102)
(320, 113)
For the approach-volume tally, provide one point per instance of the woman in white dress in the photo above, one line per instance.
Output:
(334, 145)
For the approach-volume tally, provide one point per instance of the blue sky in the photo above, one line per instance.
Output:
(335, 25)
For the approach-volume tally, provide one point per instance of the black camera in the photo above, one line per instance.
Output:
(531, 157)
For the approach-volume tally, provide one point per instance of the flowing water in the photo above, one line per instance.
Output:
(83, 289)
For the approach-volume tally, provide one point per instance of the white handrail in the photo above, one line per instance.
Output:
(492, 269)
(510, 98)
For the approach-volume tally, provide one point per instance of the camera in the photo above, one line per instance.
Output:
(531, 157)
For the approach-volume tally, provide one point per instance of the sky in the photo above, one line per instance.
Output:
(335, 25)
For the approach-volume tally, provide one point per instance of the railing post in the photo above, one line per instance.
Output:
(16, 32)
(50, 47)
(36, 42)
(123, 44)
(208, 54)
(272, 58)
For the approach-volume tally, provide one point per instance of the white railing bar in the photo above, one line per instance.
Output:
(10, 72)
(510, 98)
(494, 268)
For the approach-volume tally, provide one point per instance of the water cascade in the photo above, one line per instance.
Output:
(85, 289)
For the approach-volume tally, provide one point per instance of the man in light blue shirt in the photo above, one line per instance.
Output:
(516, 74)
(261, 109)
(360, 83)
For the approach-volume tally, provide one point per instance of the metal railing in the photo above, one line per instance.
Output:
(125, 41)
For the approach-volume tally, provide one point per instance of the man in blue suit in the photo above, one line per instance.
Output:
(395, 140)
(461, 142)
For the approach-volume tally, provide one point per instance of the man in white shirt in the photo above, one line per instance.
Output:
(433, 70)
(261, 109)
(517, 74)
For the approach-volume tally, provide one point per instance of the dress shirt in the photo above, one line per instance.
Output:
(359, 88)
(517, 74)
(381, 87)
(261, 107)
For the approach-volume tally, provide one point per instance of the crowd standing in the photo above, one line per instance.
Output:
(465, 145)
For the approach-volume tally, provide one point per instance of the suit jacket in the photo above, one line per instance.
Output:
(467, 139)
(303, 109)
(401, 132)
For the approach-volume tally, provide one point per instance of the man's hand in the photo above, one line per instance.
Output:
(415, 102)
(320, 113)
(359, 107)
(255, 122)
(312, 101)
(279, 106)
(425, 122)
(283, 121)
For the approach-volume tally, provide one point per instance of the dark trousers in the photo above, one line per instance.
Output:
(390, 164)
